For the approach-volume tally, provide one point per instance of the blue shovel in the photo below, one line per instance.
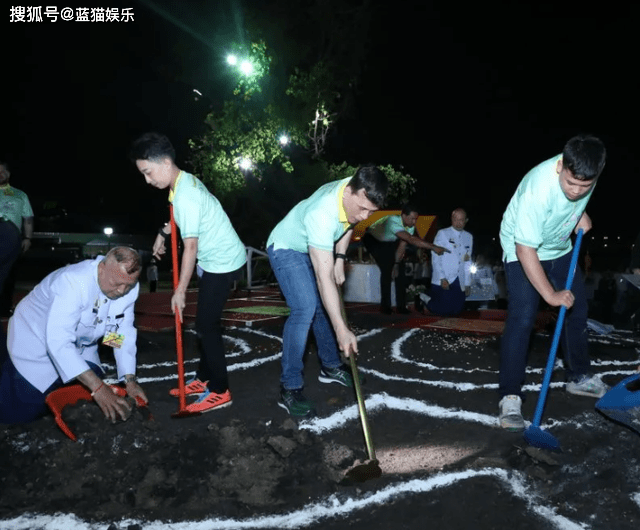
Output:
(534, 435)
(622, 402)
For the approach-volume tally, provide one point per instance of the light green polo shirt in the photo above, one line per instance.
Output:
(317, 221)
(199, 214)
(540, 216)
(386, 228)
(14, 205)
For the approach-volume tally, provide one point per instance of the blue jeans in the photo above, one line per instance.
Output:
(521, 317)
(297, 280)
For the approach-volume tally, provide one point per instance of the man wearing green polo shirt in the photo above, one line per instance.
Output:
(535, 234)
(386, 240)
(16, 229)
(207, 234)
(301, 251)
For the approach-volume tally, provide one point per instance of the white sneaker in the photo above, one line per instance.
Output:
(510, 413)
(590, 386)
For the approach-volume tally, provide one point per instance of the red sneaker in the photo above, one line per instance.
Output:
(210, 401)
(195, 387)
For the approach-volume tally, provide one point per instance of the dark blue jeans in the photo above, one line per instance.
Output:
(521, 317)
(20, 401)
(447, 302)
(297, 280)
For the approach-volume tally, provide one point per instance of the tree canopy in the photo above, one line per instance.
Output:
(269, 148)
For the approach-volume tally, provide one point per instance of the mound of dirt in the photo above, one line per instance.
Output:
(141, 466)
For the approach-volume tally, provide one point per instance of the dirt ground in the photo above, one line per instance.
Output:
(432, 403)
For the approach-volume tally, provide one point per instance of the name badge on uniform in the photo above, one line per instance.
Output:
(114, 340)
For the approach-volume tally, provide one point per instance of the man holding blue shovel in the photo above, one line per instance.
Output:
(535, 234)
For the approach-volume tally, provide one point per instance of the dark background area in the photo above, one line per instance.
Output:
(466, 98)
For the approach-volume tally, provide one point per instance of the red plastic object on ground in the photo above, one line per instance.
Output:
(70, 395)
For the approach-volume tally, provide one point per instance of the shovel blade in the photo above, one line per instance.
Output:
(362, 472)
(536, 437)
(622, 402)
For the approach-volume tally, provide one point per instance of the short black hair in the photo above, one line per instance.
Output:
(408, 208)
(584, 156)
(373, 181)
(152, 146)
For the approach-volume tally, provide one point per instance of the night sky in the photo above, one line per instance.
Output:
(466, 99)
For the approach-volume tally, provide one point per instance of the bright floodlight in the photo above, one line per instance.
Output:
(232, 60)
(473, 268)
(108, 231)
(246, 67)
(245, 164)
(284, 139)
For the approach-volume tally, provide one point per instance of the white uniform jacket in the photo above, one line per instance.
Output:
(56, 328)
(451, 265)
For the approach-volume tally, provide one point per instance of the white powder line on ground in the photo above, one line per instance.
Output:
(252, 364)
(370, 333)
(231, 368)
(332, 507)
(238, 343)
(462, 386)
(454, 385)
(255, 332)
(384, 400)
(246, 349)
(598, 362)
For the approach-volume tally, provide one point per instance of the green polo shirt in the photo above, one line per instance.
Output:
(317, 221)
(199, 214)
(540, 216)
(386, 228)
(14, 205)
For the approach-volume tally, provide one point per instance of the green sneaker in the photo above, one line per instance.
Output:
(341, 375)
(294, 402)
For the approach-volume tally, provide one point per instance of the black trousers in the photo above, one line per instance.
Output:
(384, 252)
(10, 247)
(213, 292)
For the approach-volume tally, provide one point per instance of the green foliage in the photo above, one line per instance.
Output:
(237, 132)
(317, 95)
(401, 186)
(260, 60)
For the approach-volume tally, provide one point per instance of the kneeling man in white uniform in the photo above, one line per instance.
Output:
(54, 334)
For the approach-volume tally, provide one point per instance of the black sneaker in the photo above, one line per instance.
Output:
(294, 402)
(341, 375)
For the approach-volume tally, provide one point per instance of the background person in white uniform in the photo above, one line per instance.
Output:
(450, 280)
